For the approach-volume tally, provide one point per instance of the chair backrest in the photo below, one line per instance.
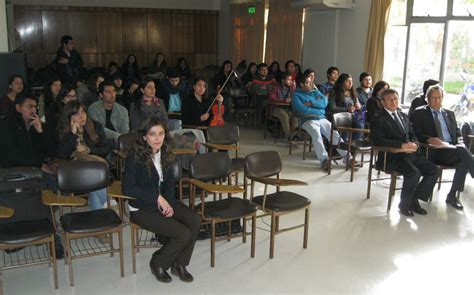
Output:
(225, 134)
(20, 190)
(176, 169)
(467, 129)
(263, 164)
(343, 119)
(210, 166)
(126, 141)
(81, 177)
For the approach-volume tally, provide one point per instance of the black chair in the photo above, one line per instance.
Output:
(342, 123)
(82, 177)
(210, 167)
(265, 168)
(226, 138)
(467, 132)
(272, 123)
(125, 143)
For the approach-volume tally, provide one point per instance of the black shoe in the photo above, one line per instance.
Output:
(181, 272)
(405, 211)
(419, 210)
(160, 273)
(454, 202)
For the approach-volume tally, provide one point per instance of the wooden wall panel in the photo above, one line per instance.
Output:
(109, 31)
(90, 59)
(28, 31)
(183, 32)
(206, 33)
(142, 59)
(134, 28)
(83, 26)
(55, 25)
(188, 56)
(103, 59)
(204, 59)
(159, 32)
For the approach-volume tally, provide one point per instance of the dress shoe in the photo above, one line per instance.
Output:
(160, 273)
(405, 211)
(181, 272)
(454, 202)
(419, 210)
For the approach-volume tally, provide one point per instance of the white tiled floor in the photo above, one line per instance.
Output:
(355, 247)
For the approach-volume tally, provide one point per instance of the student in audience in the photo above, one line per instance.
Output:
(157, 70)
(118, 85)
(184, 69)
(262, 83)
(48, 100)
(290, 66)
(311, 104)
(146, 105)
(130, 69)
(112, 69)
(435, 125)
(173, 92)
(299, 73)
(16, 84)
(311, 74)
(241, 67)
(420, 100)
(148, 178)
(281, 93)
(80, 136)
(218, 82)
(374, 103)
(275, 71)
(365, 89)
(249, 74)
(391, 128)
(195, 107)
(68, 61)
(332, 74)
(93, 89)
(112, 116)
(129, 94)
(343, 98)
(24, 140)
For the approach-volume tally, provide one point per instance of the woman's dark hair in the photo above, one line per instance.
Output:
(92, 82)
(274, 63)
(112, 64)
(288, 62)
(309, 71)
(49, 99)
(180, 60)
(242, 65)
(155, 61)
(252, 64)
(223, 65)
(64, 126)
(379, 85)
(128, 57)
(65, 89)
(286, 74)
(144, 152)
(338, 91)
(138, 96)
(196, 80)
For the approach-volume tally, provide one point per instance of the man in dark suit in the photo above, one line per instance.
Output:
(437, 127)
(391, 128)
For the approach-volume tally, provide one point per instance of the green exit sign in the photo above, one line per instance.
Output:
(251, 9)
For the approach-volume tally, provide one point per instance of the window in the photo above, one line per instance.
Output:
(432, 42)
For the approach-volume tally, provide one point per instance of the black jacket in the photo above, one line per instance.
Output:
(386, 133)
(101, 148)
(20, 146)
(144, 185)
(424, 126)
(192, 110)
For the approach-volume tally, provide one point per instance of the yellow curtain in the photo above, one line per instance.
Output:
(247, 33)
(284, 30)
(374, 51)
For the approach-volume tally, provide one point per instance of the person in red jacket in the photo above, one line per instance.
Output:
(281, 93)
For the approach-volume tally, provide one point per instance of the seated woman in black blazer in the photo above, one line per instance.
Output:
(194, 109)
(149, 179)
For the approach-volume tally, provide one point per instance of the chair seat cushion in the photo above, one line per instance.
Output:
(238, 164)
(229, 208)
(25, 231)
(90, 221)
(283, 201)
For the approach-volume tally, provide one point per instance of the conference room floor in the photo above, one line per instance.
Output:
(355, 246)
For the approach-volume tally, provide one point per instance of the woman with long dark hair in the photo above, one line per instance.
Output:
(343, 98)
(79, 136)
(16, 85)
(148, 178)
(374, 103)
(184, 69)
(48, 100)
(130, 69)
(194, 109)
(274, 71)
(249, 74)
(157, 69)
(146, 105)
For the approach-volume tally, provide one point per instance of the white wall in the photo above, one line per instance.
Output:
(3, 27)
(167, 4)
(336, 37)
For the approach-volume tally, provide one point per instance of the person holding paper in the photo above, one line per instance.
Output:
(437, 127)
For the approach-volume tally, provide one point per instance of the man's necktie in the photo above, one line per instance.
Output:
(438, 125)
(398, 122)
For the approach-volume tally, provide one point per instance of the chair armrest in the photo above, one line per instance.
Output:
(52, 199)
(6, 212)
(277, 181)
(195, 127)
(174, 114)
(217, 188)
(184, 152)
(348, 129)
(115, 190)
(226, 147)
(393, 150)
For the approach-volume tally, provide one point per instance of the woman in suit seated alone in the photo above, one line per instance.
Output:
(148, 178)
(194, 110)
